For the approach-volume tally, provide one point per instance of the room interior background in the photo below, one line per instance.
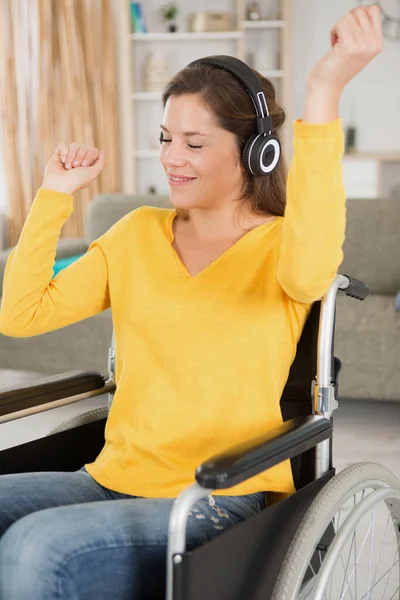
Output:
(79, 76)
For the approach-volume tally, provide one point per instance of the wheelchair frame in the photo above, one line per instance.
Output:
(295, 437)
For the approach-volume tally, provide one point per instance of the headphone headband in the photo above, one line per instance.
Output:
(262, 150)
(249, 80)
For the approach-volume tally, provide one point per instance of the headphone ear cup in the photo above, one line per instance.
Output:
(246, 151)
(261, 154)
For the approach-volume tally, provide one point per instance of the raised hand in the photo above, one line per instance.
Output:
(355, 40)
(72, 167)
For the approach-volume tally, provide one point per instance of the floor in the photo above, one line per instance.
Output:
(367, 431)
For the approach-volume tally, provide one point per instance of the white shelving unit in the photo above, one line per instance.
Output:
(185, 36)
(140, 111)
(261, 24)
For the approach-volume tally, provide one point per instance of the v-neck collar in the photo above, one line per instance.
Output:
(182, 269)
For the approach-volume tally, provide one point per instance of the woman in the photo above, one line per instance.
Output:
(208, 301)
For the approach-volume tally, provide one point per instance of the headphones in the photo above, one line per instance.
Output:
(262, 151)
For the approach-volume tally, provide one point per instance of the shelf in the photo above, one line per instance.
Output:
(156, 96)
(273, 74)
(146, 153)
(186, 36)
(379, 156)
(263, 24)
(147, 96)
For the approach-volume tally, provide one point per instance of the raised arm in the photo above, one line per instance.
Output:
(314, 224)
(32, 302)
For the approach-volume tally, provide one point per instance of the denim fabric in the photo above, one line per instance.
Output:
(62, 535)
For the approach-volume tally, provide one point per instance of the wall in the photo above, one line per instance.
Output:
(373, 97)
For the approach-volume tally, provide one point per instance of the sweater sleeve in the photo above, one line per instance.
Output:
(33, 303)
(315, 215)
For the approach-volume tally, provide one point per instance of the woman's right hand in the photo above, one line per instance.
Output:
(72, 167)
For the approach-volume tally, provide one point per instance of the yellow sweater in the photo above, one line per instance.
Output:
(201, 361)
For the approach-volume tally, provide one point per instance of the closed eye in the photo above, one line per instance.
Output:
(165, 141)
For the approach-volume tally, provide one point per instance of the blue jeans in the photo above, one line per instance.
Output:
(64, 536)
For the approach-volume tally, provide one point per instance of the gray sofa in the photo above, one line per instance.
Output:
(367, 334)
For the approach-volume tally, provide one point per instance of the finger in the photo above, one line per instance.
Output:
(72, 151)
(375, 14)
(90, 157)
(100, 162)
(373, 43)
(363, 32)
(343, 34)
(356, 30)
(365, 22)
(61, 152)
(79, 156)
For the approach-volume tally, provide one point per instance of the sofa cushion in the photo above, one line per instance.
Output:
(107, 209)
(70, 247)
(372, 248)
(367, 338)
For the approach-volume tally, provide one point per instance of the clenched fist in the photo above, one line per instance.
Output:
(355, 40)
(72, 167)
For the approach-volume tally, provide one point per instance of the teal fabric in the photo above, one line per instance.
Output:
(65, 262)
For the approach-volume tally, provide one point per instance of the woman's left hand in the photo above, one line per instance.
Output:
(356, 39)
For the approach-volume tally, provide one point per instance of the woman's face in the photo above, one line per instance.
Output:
(200, 153)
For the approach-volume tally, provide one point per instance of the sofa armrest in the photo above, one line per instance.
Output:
(43, 392)
(241, 462)
(4, 254)
(70, 247)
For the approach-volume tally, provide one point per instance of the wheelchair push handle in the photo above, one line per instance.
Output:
(355, 289)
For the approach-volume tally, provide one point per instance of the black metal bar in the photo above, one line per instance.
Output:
(259, 454)
(46, 389)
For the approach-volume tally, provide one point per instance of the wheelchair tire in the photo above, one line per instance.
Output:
(333, 497)
(88, 417)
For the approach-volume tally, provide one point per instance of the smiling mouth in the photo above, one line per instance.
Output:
(174, 180)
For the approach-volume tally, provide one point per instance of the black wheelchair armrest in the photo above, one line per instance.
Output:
(250, 458)
(43, 390)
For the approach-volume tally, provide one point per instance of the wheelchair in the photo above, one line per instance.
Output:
(309, 545)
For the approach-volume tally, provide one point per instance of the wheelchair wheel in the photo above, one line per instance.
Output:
(88, 417)
(361, 507)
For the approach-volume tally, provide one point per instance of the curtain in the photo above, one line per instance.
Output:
(57, 84)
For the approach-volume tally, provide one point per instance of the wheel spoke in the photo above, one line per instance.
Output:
(390, 569)
(395, 593)
(355, 557)
(358, 557)
(370, 554)
(346, 585)
(348, 513)
(346, 567)
(382, 544)
(312, 569)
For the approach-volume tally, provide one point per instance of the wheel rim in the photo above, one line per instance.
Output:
(365, 546)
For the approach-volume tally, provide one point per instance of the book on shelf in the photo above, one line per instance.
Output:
(138, 21)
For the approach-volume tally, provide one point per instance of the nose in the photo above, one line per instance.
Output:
(173, 156)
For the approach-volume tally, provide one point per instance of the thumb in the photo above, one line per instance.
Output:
(99, 163)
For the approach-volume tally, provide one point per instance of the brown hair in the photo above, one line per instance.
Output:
(234, 111)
